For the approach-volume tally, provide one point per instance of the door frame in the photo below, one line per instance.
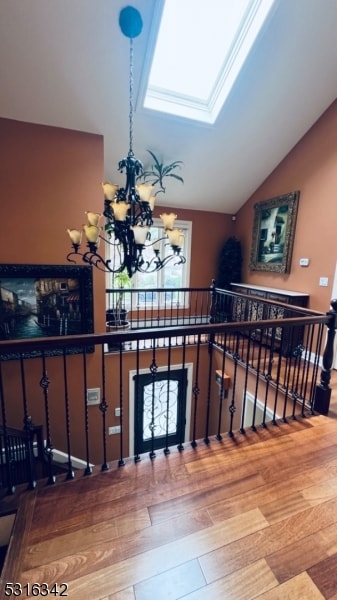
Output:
(189, 367)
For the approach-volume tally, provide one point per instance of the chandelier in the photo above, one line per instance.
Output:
(127, 210)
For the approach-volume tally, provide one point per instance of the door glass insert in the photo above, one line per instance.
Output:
(160, 407)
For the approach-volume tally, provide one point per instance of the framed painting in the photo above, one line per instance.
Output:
(273, 233)
(45, 300)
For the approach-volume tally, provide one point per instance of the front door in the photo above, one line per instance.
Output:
(160, 409)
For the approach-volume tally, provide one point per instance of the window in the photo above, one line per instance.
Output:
(171, 276)
(194, 67)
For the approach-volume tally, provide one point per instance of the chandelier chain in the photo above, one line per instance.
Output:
(131, 100)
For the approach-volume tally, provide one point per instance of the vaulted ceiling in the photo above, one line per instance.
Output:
(65, 63)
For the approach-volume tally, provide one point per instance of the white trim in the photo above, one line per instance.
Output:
(250, 401)
(57, 455)
(62, 458)
(189, 367)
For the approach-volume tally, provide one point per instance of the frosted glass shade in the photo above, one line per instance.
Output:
(168, 220)
(145, 191)
(93, 218)
(140, 234)
(91, 233)
(176, 237)
(120, 210)
(75, 236)
(110, 190)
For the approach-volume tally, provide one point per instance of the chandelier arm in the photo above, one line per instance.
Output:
(73, 253)
(116, 243)
(160, 263)
(93, 259)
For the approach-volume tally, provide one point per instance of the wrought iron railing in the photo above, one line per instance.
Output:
(159, 307)
(243, 374)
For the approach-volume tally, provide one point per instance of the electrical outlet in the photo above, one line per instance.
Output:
(93, 396)
(323, 281)
(117, 412)
(115, 429)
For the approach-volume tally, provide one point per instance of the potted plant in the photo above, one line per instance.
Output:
(157, 173)
(117, 315)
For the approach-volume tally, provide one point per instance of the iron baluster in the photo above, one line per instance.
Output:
(153, 370)
(44, 384)
(182, 408)
(166, 449)
(88, 468)
(103, 407)
(121, 461)
(196, 392)
(70, 472)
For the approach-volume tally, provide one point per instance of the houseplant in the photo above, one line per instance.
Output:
(116, 315)
(157, 172)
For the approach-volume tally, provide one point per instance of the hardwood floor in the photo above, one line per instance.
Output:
(254, 516)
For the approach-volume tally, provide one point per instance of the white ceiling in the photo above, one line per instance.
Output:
(65, 63)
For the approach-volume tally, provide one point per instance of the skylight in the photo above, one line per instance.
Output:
(200, 49)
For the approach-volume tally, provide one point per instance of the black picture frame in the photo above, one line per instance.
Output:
(273, 233)
(45, 300)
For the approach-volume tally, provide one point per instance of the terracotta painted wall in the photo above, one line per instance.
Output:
(209, 232)
(49, 177)
(52, 176)
(310, 167)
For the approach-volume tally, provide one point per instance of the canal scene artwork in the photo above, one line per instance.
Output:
(39, 301)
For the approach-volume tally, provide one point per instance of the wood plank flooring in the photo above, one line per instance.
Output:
(253, 516)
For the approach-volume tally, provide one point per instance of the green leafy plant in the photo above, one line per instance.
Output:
(122, 280)
(158, 171)
(118, 313)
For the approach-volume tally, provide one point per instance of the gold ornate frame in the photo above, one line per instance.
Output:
(273, 233)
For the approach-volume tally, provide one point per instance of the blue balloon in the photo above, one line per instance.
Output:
(130, 22)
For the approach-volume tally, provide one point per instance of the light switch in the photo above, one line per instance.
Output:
(93, 396)
(323, 281)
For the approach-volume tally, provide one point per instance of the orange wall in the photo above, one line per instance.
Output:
(209, 232)
(52, 176)
(310, 167)
(49, 177)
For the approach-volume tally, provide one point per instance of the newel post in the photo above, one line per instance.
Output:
(323, 390)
